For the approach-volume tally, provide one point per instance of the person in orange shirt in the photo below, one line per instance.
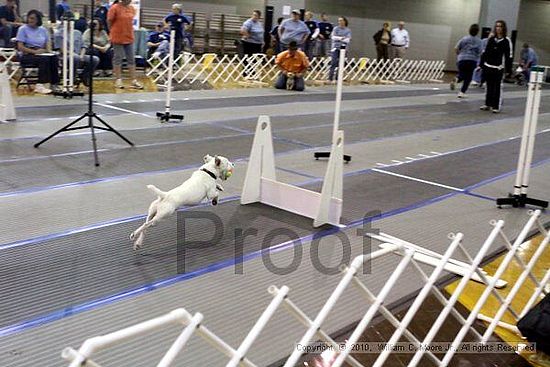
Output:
(120, 18)
(292, 63)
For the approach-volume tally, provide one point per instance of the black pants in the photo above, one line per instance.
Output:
(48, 67)
(382, 52)
(465, 73)
(250, 48)
(105, 59)
(493, 93)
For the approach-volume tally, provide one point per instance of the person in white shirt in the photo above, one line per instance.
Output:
(399, 40)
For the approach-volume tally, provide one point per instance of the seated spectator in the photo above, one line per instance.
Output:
(33, 43)
(292, 63)
(81, 60)
(293, 29)
(61, 9)
(159, 42)
(81, 24)
(9, 22)
(527, 59)
(102, 47)
(177, 21)
(100, 13)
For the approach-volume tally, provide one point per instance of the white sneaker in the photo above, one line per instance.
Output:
(485, 108)
(40, 88)
(496, 110)
(119, 84)
(136, 84)
(461, 95)
(156, 55)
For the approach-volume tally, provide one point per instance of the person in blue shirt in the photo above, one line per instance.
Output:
(468, 50)
(159, 42)
(275, 40)
(313, 33)
(33, 44)
(61, 9)
(527, 59)
(323, 40)
(341, 34)
(177, 21)
(252, 32)
(293, 29)
(100, 13)
(10, 21)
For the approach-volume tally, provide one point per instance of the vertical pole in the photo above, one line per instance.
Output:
(170, 72)
(339, 87)
(70, 55)
(64, 49)
(536, 80)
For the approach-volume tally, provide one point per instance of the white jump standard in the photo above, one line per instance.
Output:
(519, 197)
(68, 91)
(166, 116)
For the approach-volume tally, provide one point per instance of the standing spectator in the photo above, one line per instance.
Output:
(252, 32)
(382, 40)
(10, 21)
(527, 59)
(399, 40)
(62, 8)
(177, 21)
(496, 60)
(120, 19)
(341, 34)
(292, 63)
(468, 50)
(159, 42)
(101, 10)
(81, 60)
(323, 41)
(33, 43)
(101, 48)
(293, 29)
(313, 33)
(275, 40)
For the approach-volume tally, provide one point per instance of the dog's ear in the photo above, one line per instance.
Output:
(218, 161)
(207, 158)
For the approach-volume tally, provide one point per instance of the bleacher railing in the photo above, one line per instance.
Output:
(411, 255)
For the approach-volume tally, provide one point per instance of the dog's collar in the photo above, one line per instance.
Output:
(209, 173)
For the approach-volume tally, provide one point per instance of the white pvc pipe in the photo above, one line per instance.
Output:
(525, 135)
(339, 87)
(304, 320)
(69, 354)
(501, 324)
(258, 327)
(70, 56)
(458, 291)
(222, 346)
(336, 294)
(181, 341)
(64, 50)
(515, 289)
(485, 295)
(100, 342)
(413, 309)
(170, 71)
(536, 294)
(532, 131)
(373, 309)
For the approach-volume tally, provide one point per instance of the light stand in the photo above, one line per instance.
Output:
(90, 114)
(166, 116)
(339, 87)
(68, 91)
(519, 197)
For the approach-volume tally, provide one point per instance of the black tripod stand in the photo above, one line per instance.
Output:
(90, 114)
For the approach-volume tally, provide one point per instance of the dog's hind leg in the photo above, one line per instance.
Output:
(150, 214)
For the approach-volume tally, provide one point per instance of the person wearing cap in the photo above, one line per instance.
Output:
(177, 21)
(291, 63)
(399, 40)
(159, 41)
(61, 8)
(293, 29)
(341, 34)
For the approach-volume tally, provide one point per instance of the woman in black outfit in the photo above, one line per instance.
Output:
(496, 60)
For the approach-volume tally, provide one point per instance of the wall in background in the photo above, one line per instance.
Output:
(533, 28)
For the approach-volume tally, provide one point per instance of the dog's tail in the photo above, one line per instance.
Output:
(159, 193)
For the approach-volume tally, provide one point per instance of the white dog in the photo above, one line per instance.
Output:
(202, 184)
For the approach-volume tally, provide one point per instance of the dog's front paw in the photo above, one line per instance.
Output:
(132, 236)
(215, 201)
